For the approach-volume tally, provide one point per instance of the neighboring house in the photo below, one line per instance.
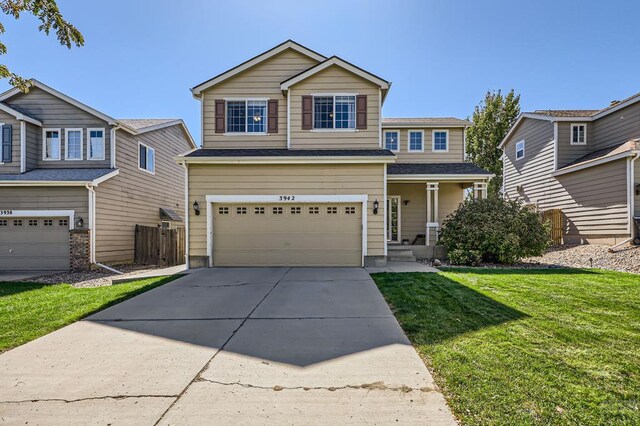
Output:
(582, 162)
(74, 182)
(297, 167)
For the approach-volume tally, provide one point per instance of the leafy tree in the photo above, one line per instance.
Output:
(48, 13)
(492, 119)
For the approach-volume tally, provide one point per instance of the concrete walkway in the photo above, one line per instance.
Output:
(229, 346)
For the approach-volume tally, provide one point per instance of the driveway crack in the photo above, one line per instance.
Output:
(91, 398)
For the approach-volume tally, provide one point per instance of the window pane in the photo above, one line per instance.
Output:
(96, 144)
(151, 160)
(345, 112)
(440, 141)
(236, 116)
(52, 145)
(323, 112)
(391, 140)
(415, 141)
(257, 116)
(143, 157)
(74, 145)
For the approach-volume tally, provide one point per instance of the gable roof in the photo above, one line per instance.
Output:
(336, 61)
(289, 44)
(567, 112)
(72, 177)
(35, 83)
(19, 115)
(425, 121)
(137, 126)
(605, 155)
(436, 169)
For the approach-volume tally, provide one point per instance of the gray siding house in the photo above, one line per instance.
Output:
(583, 162)
(74, 182)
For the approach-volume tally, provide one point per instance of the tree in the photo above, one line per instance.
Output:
(492, 119)
(48, 13)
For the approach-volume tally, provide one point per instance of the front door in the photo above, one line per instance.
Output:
(393, 218)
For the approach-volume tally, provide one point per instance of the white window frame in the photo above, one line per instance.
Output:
(409, 140)
(523, 150)
(147, 147)
(104, 143)
(66, 144)
(333, 95)
(571, 133)
(384, 139)
(245, 100)
(44, 144)
(433, 140)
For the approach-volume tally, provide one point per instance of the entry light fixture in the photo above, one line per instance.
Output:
(406, 202)
(196, 208)
(79, 222)
(638, 190)
(375, 206)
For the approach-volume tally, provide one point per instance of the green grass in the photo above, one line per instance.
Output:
(526, 346)
(31, 310)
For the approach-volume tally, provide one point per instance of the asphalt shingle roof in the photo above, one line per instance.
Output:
(141, 123)
(567, 112)
(628, 146)
(435, 169)
(205, 152)
(425, 121)
(57, 175)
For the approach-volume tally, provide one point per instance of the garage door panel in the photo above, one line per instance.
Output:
(292, 242)
(275, 258)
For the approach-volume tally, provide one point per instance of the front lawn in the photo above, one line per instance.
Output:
(526, 346)
(31, 310)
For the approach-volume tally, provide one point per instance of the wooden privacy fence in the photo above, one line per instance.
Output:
(158, 246)
(554, 216)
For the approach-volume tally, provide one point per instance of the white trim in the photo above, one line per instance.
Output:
(246, 101)
(23, 146)
(289, 120)
(379, 119)
(409, 140)
(108, 176)
(433, 140)
(592, 163)
(631, 186)
(41, 213)
(334, 60)
(555, 146)
(464, 144)
(66, 144)
(384, 139)
(289, 44)
(153, 151)
(523, 150)
(94, 182)
(44, 143)
(584, 135)
(211, 199)
(202, 101)
(177, 122)
(18, 115)
(334, 129)
(112, 143)
(288, 160)
(92, 223)
(385, 209)
(617, 107)
(448, 178)
(104, 143)
(187, 210)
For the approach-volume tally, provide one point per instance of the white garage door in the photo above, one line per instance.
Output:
(34, 243)
(287, 234)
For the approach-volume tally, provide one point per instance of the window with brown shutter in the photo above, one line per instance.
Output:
(219, 110)
(361, 112)
(273, 116)
(307, 112)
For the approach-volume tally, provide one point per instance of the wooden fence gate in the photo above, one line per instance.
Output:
(158, 246)
(554, 216)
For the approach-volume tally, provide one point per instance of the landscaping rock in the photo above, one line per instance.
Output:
(94, 278)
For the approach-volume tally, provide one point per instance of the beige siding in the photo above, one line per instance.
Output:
(14, 165)
(135, 196)
(289, 180)
(593, 201)
(262, 80)
(58, 114)
(617, 127)
(568, 153)
(335, 80)
(46, 198)
(454, 155)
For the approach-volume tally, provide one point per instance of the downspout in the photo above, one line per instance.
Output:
(186, 212)
(23, 146)
(630, 200)
(113, 144)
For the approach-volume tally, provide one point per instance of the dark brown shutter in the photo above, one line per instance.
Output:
(272, 113)
(220, 116)
(361, 112)
(307, 112)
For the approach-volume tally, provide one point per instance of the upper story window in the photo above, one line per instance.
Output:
(440, 141)
(392, 140)
(416, 141)
(578, 134)
(73, 144)
(247, 116)
(520, 150)
(51, 144)
(95, 145)
(146, 158)
(334, 112)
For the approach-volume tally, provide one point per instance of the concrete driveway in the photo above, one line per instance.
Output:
(229, 346)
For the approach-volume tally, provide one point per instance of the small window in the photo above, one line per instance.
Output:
(4, 222)
(258, 210)
(520, 150)
(95, 144)
(165, 224)
(63, 222)
(391, 140)
(314, 210)
(241, 210)
(33, 222)
(17, 222)
(48, 222)
(296, 210)
(51, 144)
(223, 210)
(73, 144)
(578, 134)
(416, 139)
(146, 158)
(332, 210)
(277, 210)
(440, 140)
(334, 112)
(350, 210)
(248, 116)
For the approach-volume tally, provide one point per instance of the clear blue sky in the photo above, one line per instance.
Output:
(142, 56)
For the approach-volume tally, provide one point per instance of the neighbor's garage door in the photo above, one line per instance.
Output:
(287, 234)
(34, 243)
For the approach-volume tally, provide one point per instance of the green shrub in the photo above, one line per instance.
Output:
(493, 230)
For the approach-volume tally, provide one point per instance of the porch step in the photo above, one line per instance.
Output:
(394, 258)
(399, 253)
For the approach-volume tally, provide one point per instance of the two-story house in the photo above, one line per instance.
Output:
(582, 162)
(298, 167)
(74, 182)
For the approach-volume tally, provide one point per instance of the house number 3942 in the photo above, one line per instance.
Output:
(287, 198)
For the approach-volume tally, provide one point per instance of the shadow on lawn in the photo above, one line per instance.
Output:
(10, 288)
(433, 308)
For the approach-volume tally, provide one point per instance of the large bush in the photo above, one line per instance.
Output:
(493, 230)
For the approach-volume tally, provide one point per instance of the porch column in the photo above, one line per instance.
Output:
(479, 190)
(432, 211)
